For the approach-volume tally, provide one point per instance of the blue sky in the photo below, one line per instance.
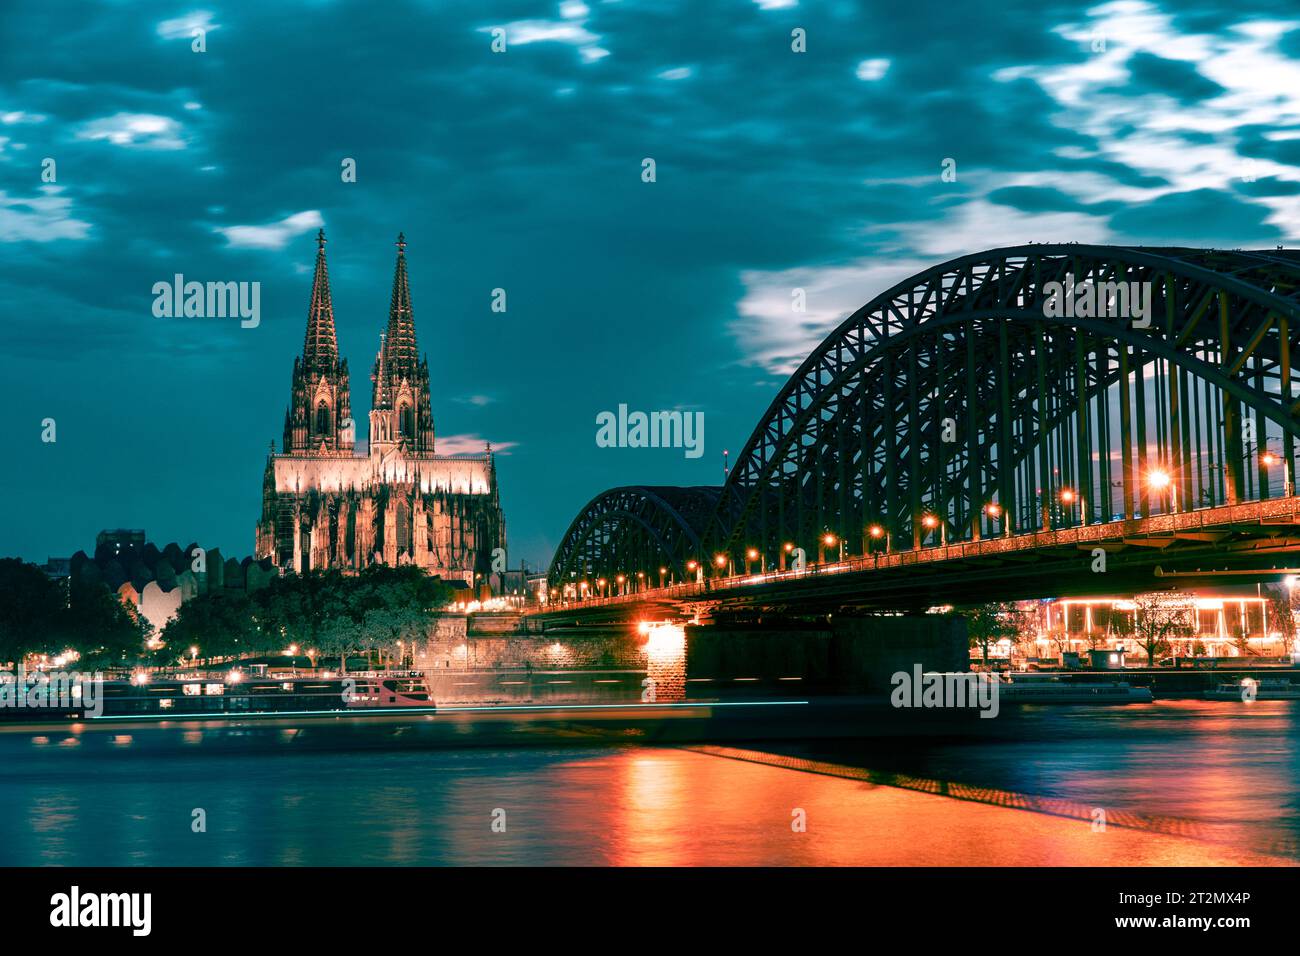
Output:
(1127, 122)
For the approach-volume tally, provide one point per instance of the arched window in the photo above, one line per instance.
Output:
(407, 418)
(322, 419)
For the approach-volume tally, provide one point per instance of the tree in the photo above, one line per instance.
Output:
(220, 624)
(31, 609)
(1160, 618)
(1059, 637)
(100, 627)
(1280, 613)
(328, 611)
(340, 636)
(988, 623)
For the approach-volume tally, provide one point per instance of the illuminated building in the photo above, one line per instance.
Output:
(324, 505)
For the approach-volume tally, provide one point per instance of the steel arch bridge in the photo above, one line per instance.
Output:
(630, 533)
(1010, 391)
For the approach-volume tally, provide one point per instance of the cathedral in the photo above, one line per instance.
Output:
(326, 504)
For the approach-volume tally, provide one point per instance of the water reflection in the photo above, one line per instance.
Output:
(323, 794)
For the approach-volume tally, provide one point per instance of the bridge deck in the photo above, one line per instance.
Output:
(1143, 553)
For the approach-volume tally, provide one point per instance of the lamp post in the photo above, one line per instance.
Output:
(1268, 459)
(930, 522)
(876, 532)
(996, 513)
(1067, 496)
(1160, 481)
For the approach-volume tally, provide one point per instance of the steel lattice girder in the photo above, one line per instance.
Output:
(625, 530)
(955, 388)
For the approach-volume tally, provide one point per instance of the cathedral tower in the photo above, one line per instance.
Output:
(400, 409)
(325, 506)
(319, 419)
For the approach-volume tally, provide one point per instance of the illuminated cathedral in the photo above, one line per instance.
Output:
(326, 504)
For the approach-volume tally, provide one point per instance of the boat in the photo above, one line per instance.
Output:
(1248, 689)
(233, 693)
(1051, 689)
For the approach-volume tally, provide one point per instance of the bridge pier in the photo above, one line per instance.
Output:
(848, 655)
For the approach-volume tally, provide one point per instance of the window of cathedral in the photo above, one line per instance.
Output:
(322, 419)
(407, 421)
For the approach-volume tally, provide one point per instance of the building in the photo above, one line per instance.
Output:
(1216, 622)
(154, 582)
(119, 539)
(328, 504)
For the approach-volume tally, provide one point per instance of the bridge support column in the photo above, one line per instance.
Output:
(848, 656)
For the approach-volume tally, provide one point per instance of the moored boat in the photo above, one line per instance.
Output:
(1051, 689)
(1248, 689)
(235, 694)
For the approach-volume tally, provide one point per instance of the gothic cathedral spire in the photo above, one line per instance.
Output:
(320, 348)
(319, 419)
(403, 356)
(402, 413)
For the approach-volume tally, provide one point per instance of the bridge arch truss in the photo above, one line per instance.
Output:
(970, 400)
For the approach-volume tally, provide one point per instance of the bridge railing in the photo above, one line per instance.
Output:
(1286, 510)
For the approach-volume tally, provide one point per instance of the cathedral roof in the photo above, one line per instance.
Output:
(320, 348)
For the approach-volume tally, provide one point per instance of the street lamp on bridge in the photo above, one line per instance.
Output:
(1268, 460)
(1160, 481)
(997, 513)
(876, 532)
(930, 522)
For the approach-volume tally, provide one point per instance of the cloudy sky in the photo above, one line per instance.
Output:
(1135, 122)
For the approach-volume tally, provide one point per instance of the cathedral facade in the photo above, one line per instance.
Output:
(328, 504)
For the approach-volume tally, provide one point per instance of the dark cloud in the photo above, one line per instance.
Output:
(1177, 78)
(520, 171)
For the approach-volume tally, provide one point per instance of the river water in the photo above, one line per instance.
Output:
(1179, 782)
